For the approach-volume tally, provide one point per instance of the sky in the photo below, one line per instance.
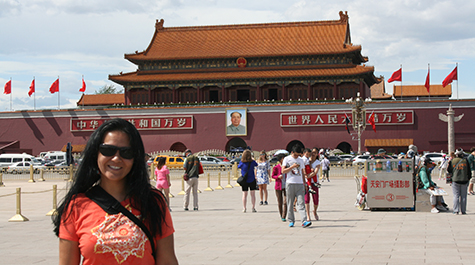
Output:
(69, 39)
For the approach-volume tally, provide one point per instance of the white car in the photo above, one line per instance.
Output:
(360, 159)
(23, 167)
(436, 157)
(211, 160)
(347, 158)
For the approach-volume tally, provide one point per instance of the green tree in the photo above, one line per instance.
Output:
(108, 89)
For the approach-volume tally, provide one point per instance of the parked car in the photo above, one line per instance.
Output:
(9, 159)
(335, 160)
(347, 158)
(360, 159)
(436, 157)
(53, 163)
(23, 167)
(172, 161)
(211, 160)
(235, 160)
(223, 158)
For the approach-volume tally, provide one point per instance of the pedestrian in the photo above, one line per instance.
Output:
(448, 178)
(263, 174)
(192, 167)
(471, 163)
(326, 168)
(436, 201)
(97, 220)
(162, 176)
(247, 166)
(461, 174)
(443, 167)
(280, 187)
(294, 167)
(313, 184)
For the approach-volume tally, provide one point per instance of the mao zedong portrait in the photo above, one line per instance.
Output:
(235, 128)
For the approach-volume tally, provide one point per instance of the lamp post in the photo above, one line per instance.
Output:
(358, 118)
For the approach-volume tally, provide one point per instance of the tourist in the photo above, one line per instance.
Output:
(262, 174)
(280, 187)
(313, 184)
(162, 176)
(247, 166)
(294, 167)
(436, 201)
(471, 163)
(192, 167)
(443, 167)
(461, 174)
(326, 168)
(113, 172)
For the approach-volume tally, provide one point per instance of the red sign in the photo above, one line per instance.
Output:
(141, 123)
(405, 117)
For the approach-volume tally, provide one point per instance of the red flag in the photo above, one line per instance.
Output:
(451, 77)
(8, 87)
(54, 87)
(32, 88)
(83, 88)
(427, 85)
(396, 76)
(371, 121)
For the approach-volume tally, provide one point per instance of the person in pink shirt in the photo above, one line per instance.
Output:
(162, 176)
(280, 187)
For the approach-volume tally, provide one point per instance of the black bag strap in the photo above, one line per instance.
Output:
(112, 206)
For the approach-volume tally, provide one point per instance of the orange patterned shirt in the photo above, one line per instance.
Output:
(109, 239)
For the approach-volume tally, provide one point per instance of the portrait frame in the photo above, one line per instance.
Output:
(232, 130)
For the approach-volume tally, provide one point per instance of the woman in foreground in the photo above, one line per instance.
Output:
(114, 162)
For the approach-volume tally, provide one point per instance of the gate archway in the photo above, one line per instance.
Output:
(344, 147)
(292, 143)
(236, 144)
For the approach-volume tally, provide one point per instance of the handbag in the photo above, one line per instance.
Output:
(243, 179)
(186, 177)
(112, 206)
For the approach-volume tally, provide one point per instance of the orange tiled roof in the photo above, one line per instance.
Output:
(421, 91)
(388, 142)
(240, 74)
(101, 99)
(249, 40)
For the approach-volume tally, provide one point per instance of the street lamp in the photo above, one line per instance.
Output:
(358, 118)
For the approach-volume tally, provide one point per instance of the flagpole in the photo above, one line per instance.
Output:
(401, 82)
(457, 66)
(83, 94)
(34, 96)
(58, 94)
(428, 69)
(11, 108)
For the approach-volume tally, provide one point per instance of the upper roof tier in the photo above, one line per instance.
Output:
(248, 40)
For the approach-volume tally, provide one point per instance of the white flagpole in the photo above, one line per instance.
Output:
(457, 66)
(34, 95)
(58, 93)
(11, 108)
(401, 83)
(428, 69)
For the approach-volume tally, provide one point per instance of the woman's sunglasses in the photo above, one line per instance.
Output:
(110, 150)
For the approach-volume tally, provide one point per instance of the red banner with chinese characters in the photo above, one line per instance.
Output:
(141, 123)
(405, 117)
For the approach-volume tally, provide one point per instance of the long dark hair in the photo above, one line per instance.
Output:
(149, 202)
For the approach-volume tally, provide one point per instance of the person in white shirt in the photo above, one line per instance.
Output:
(294, 167)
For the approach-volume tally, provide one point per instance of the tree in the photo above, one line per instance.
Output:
(108, 89)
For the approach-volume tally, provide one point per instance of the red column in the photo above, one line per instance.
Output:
(335, 90)
(175, 95)
(126, 96)
(284, 92)
(309, 91)
(362, 90)
(150, 96)
(198, 94)
(223, 94)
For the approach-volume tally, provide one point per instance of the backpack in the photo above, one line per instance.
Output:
(458, 173)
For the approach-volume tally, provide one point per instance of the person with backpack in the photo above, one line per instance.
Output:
(425, 182)
(461, 175)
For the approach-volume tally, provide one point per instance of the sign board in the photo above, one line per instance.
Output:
(390, 183)
(141, 123)
(403, 117)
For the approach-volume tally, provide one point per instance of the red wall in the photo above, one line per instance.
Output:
(50, 130)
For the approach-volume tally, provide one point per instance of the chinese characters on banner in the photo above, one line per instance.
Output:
(338, 118)
(141, 123)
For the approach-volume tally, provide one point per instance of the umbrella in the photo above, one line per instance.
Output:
(285, 152)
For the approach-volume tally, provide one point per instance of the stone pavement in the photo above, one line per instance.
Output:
(219, 233)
